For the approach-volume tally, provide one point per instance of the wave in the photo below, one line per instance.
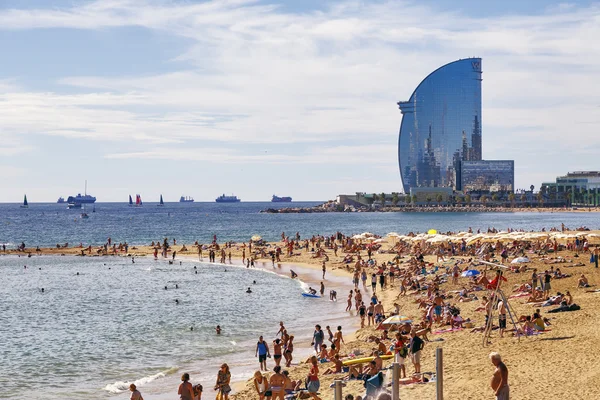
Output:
(119, 387)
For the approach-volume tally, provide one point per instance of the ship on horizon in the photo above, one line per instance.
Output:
(227, 199)
(61, 200)
(77, 201)
(186, 199)
(277, 199)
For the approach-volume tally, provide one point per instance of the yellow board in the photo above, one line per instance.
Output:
(365, 360)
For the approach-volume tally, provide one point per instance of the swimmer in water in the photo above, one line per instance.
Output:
(176, 286)
(254, 282)
(176, 301)
(166, 288)
(133, 260)
(249, 290)
(294, 275)
(218, 329)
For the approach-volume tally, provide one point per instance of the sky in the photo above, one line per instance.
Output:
(294, 98)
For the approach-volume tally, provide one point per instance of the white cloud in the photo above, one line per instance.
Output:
(258, 74)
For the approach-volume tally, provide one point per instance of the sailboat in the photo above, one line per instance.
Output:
(25, 204)
(161, 203)
(130, 201)
(138, 200)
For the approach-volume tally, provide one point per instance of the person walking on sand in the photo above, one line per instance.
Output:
(262, 352)
(501, 317)
(223, 380)
(499, 383)
(324, 269)
(135, 394)
(318, 338)
(186, 390)
(289, 350)
(313, 379)
(277, 351)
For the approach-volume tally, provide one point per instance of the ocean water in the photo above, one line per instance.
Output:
(49, 224)
(104, 322)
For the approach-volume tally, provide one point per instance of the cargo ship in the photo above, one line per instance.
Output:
(227, 199)
(277, 199)
(186, 199)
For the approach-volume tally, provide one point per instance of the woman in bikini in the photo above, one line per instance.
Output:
(277, 351)
(289, 349)
(277, 383)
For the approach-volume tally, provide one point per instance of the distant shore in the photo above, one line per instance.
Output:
(334, 207)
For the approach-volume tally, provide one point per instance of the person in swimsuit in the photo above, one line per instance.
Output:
(262, 351)
(261, 385)
(499, 383)
(186, 390)
(349, 306)
(338, 338)
(362, 310)
(223, 380)
(277, 351)
(277, 383)
(313, 379)
(135, 394)
(289, 349)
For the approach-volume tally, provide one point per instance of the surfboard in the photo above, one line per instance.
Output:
(365, 360)
(310, 295)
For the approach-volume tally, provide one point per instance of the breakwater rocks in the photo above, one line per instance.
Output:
(334, 207)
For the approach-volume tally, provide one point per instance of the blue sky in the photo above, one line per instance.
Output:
(294, 97)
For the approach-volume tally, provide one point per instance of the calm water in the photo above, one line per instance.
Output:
(86, 336)
(49, 224)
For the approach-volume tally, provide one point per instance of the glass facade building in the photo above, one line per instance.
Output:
(487, 176)
(441, 126)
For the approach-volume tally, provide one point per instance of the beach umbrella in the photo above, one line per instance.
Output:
(397, 320)
(470, 273)
(380, 241)
(431, 232)
(519, 260)
(255, 238)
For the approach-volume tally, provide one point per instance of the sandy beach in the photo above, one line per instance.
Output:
(559, 363)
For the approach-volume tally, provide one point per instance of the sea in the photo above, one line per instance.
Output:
(86, 327)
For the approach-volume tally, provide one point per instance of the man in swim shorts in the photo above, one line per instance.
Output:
(262, 352)
(499, 383)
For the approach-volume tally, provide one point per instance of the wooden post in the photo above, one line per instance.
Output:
(395, 381)
(337, 389)
(439, 374)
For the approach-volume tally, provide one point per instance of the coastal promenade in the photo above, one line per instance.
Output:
(560, 362)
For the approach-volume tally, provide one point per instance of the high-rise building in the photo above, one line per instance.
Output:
(441, 126)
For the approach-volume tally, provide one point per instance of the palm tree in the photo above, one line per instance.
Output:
(495, 197)
(439, 198)
(414, 199)
(395, 199)
(407, 199)
(483, 199)
(523, 198)
(428, 199)
(511, 198)
(458, 200)
(375, 197)
(540, 199)
(382, 198)
(468, 199)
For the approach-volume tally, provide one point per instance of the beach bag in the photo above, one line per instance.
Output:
(403, 352)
